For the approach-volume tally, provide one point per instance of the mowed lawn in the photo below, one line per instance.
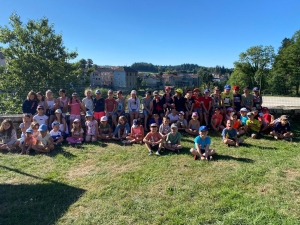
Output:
(108, 183)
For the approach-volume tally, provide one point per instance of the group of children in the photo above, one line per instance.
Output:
(44, 124)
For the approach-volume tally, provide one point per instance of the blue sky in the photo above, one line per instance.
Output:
(121, 32)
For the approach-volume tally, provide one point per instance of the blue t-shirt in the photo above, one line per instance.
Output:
(198, 140)
(279, 128)
(243, 119)
(99, 104)
(229, 133)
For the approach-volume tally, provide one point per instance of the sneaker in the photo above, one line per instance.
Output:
(157, 153)
(150, 153)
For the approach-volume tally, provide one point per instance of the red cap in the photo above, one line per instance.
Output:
(188, 90)
(196, 90)
(236, 87)
(264, 109)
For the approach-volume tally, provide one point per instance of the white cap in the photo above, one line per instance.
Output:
(133, 92)
(103, 118)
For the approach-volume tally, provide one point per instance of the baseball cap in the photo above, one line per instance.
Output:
(88, 113)
(243, 110)
(255, 89)
(58, 111)
(254, 109)
(195, 114)
(249, 114)
(235, 87)
(29, 130)
(246, 88)
(153, 125)
(133, 92)
(55, 123)
(174, 126)
(119, 92)
(155, 92)
(148, 92)
(187, 90)
(136, 122)
(110, 91)
(227, 87)
(265, 109)
(76, 121)
(230, 109)
(181, 112)
(40, 107)
(103, 118)
(62, 90)
(43, 127)
(284, 117)
(75, 94)
(203, 128)
(179, 90)
(98, 91)
(196, 90)
(206, 91)
(217, 108)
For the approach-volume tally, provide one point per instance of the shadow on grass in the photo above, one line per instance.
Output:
(229, 157)
(42, 203)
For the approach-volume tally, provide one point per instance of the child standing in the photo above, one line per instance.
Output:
(121, 105)
(197, 104)
(8, 135)
(41, 99)
(122, 130)
(282, 129)
(189, 104)
(257, 98)
(30, 104)
(49, 108)
(133, 106)
(207, 102)
(56, 134)
(75, 106)
(136, 134)
(173, 140)
(88, 101)
(91, 128)
(229, 135)
(147, 108)
(237, 99)
(194, 125)
(247, 99)
(202, 143)
(110, 104)
(77, 133)
(62, 102)
(179, 100)
(44, 140)
(41, 118)
(153, 140)
(28, 142)
(99, 106)
(105, 131)
(165, 128)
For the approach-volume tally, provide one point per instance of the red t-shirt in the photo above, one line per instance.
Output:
(197, 101)
(110, 104)
(154, 137)
(206, 101)
(267, 117)
(218, 118)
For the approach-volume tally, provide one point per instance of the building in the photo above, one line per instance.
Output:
(2, 59)
(153, 81)
(124, 78)
(102, 77)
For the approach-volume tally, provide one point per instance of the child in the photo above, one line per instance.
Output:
(153, 140)
(206, 105)
(173, 116)
(189, 104)
(88, 101)
(133, 106)
(110, 104)
(56, 134)
(173, 140)
(8, 135)
(167, 100)
(164, 128)
(228, 114)
(216, 120)
(268, 121)
(226, 98)
(237, 124)
(91, 128)
(63, 128)
(243, 117)
(147, 108)
(41, 99)
(181, 122)
(122, 130)
(179, 100)
(194, 125)
(282, 129)
(237, 98)
(44, 140)
(136, 134)
(77, 133)
(252, 126)
(75, 106)
(28, 142)
(229, 135)
(197, 104)
(35, 126)
(121, 105)
(41, 118)
(49, 108)
(156, 119)
(257, 98)
(157, 104)
(216, 99)
(24, 126)
(202, 143)
(105, 131)
(99, 106)
(30, 104)
(62, 102)
(247, 99)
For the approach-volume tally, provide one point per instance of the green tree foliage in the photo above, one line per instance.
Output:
(286, 69)
(205, 78)
(253, 66)
(36, 56)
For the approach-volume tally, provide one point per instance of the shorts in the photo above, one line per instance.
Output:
(158, 112)
(74, 116)
(133, 110)
(49, 112)
(109, 114)
(154, 148)
(98, 115)
(145, 112)
(122, 114)
(201, 150)
(198, 110)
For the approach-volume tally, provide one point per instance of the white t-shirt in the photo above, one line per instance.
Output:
(172, 118)
(40, 119)
(88, 102)
(55, 134)
(44, 140)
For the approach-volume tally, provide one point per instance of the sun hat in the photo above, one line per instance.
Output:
(43, 127)
(54, 123)
(110, 91)
(265, 109)
(230, 109)
(40, 107)
(203, 128)
(167, 88)
(103, 118)
(58, 111)
(75, 94)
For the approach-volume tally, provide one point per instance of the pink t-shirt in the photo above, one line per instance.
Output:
(91, 128)
(110, 104)
(75, 107)
(137, 131)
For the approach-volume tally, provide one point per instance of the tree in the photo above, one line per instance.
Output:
(36, 56)
(205, 78)
(254, 64)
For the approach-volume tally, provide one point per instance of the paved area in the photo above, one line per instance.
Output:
(270, 101)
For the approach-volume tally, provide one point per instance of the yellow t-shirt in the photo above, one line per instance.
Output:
(227, 99)
(253, 125)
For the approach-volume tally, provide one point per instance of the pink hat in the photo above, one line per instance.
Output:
(195, 114)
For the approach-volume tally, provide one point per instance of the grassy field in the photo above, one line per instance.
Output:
(108, 183)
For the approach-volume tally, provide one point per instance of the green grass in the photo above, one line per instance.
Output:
(107, 183)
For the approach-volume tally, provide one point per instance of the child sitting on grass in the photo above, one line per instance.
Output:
(77, 133)
(173, 116)
(282, 129)
(44, 140)
(105, 131)
(122, 130)
(153, 140)
(202, 143)
(229, 135)
(56, 134)
(237, 124)
(8, 135)
(155, 119)
(91, 127)
(28, 142)
(216, 120)
(173, 140)
(164, 128)
(181, 122)
(194, 125)
(136, 134)
(252, 126)
(267, 122)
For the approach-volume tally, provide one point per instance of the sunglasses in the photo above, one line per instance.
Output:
(75, 122)
(40, 109)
